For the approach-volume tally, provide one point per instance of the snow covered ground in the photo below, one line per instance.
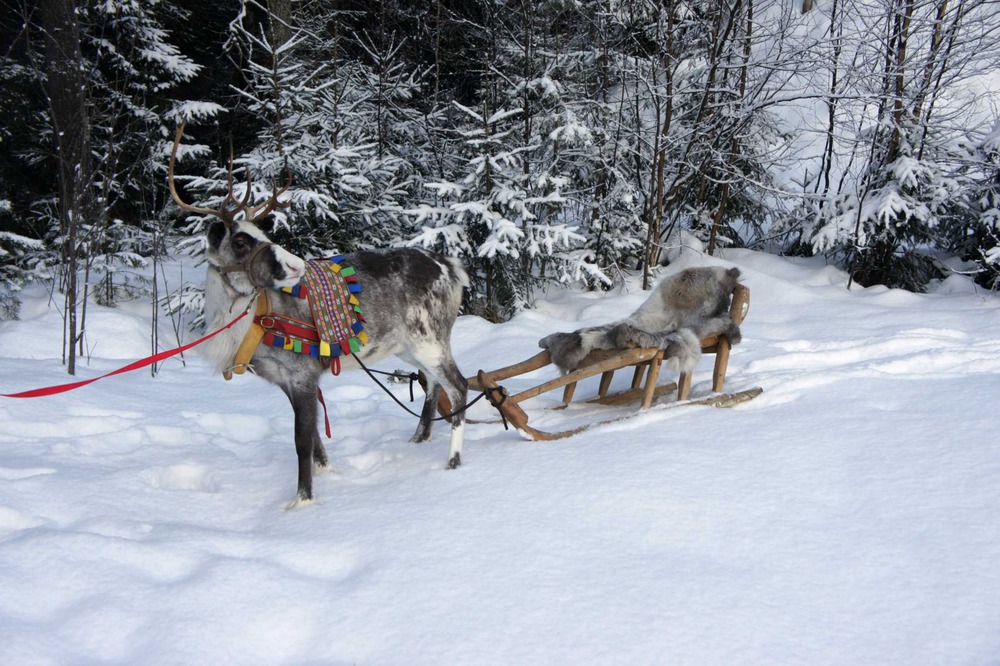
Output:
(849, 515)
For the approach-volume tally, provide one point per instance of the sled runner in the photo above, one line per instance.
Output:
(645, 364)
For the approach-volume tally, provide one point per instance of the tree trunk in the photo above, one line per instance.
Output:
(278, 20)
(836, 34)
(66, 89)
(903, 17)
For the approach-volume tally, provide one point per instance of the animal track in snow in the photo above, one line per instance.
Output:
(100, 412)
(73, 426)
(182, 477)
(368, 462)
(12, 520)
(337, 564)
(16, 474)
(236, 426)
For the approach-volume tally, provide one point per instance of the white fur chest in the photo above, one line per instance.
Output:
(221, 309)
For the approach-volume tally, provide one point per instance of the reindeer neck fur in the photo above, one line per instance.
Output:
(223, 303)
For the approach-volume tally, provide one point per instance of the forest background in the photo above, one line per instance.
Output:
(540, 141)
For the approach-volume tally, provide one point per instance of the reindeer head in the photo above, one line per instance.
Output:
(237, 247)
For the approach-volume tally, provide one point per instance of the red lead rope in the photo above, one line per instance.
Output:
(149, 360)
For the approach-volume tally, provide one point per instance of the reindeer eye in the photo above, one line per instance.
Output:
(241, 243)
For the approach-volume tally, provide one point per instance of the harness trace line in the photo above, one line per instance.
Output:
(135, 365)
(443, 417)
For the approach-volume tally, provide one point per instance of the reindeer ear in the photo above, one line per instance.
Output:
(266, 224)
(216, 232)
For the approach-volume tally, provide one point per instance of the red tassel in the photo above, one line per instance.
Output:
(326, 417)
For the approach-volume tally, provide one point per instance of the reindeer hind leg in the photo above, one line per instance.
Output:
(443, 373)
(423, 432)
(457, 390)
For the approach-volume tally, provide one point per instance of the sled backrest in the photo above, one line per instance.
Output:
(741, 304)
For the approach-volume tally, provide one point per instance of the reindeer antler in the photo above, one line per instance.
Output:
(266, 208)
(173, 187)
(230, 205)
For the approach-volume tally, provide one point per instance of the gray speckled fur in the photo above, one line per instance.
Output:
(410, 299)
(680, 311)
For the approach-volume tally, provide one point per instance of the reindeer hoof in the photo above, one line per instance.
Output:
(455, 462)
(299, 503)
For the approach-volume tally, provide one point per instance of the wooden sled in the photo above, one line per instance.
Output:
(645, 363)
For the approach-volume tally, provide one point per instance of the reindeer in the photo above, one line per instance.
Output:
(410, 299)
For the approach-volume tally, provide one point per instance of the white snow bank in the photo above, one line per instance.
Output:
(849, 515)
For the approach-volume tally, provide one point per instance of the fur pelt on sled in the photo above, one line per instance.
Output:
(682, 310)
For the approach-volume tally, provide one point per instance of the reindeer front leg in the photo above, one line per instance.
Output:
(303, 399)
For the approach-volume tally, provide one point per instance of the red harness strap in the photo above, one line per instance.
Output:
(285, 326)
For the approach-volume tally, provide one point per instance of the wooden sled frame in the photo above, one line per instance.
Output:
(645, 361)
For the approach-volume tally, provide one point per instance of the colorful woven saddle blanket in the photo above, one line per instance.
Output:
(332, 289)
